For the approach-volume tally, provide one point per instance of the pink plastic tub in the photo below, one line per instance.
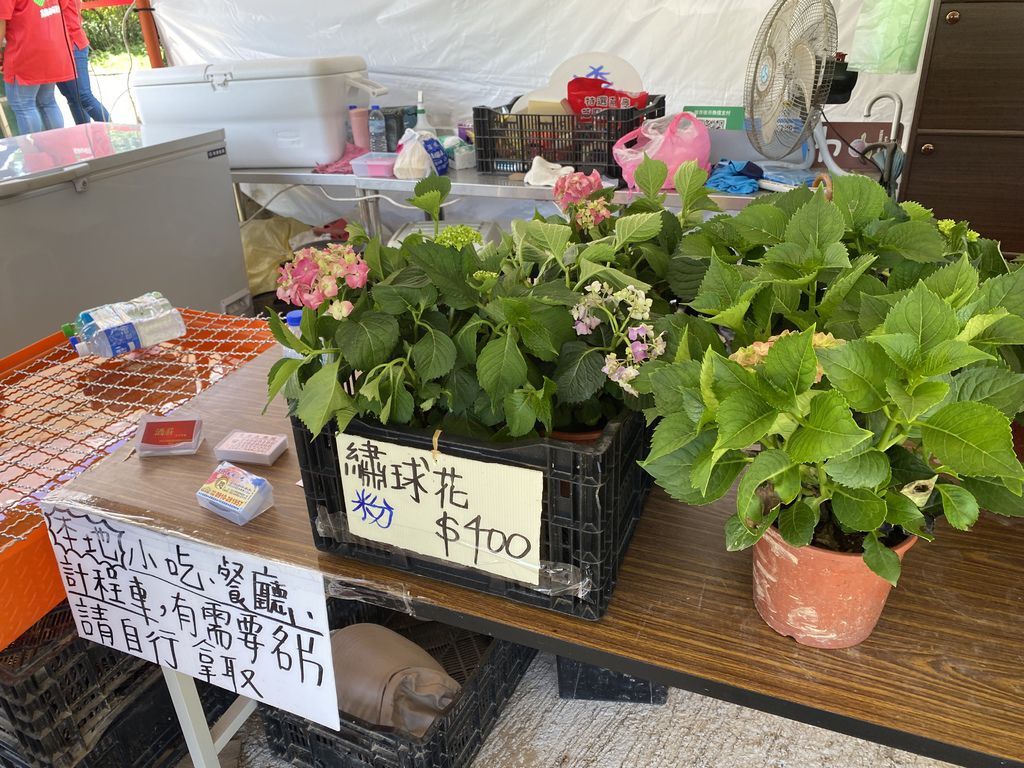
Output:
(375, 164)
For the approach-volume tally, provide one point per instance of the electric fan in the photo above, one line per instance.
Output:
(793, 71)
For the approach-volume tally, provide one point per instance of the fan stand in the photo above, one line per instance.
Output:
(819, 144)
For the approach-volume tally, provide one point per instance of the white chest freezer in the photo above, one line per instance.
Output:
(276, 113)
(96, 213)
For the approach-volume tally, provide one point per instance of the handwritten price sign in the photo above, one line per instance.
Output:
(471, 513)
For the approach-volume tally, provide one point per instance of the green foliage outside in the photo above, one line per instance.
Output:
(103, 28)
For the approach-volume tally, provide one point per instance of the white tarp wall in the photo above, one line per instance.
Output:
(464, 54)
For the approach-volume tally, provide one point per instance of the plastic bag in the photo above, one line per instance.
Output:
(587, 96)
(413, 161)
(265, 243)
(889, 35)
(667, 139)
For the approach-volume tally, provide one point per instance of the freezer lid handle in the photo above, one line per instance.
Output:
(363, 83)
(69, 173)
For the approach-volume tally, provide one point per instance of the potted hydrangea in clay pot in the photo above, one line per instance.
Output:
(846, 451)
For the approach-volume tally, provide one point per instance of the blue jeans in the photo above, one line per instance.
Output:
(78, 92)
(34, 107)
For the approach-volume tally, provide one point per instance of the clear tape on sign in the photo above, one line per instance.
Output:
(370, 592)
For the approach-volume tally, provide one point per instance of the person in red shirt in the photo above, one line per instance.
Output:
(78, 91)
(37, 55)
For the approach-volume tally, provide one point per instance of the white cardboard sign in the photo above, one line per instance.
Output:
(472, 513)
(252, 626)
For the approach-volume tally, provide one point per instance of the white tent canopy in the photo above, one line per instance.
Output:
(467, 54)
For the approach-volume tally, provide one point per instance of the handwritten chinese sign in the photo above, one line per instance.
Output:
(239, 622)
(472, 513)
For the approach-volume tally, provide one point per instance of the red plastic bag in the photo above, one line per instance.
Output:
(588, 96)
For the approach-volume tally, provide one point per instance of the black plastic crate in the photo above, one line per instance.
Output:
(594, 493)
(59, 692)
(507, 143)
(488, 670)
(145, 735)
(577, 680)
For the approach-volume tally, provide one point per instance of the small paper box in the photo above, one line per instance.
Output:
(251, 447)
(168, 435)
(235, 494)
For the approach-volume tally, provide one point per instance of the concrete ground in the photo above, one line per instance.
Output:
(539, 730)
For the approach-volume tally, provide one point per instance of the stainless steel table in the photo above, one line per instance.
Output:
(465, 183)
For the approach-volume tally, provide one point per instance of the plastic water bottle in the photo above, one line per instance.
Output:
(292, 322)
(115, 329)
(378, 130)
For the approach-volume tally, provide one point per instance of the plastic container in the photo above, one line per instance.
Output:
(577, 680)
(378, 130)
(116, 329)
(59, 693)
(507, 143)
(378, 164)
(360, 117)
(276, 112)
(594, 494)
(488, 670)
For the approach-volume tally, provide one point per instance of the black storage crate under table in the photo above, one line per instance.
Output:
(593, 495)
(487, 669)
(65, 701)
(507, 143)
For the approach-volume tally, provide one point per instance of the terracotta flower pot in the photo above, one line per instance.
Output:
(818, 597)
(577, 437)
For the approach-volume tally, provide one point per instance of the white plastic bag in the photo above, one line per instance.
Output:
(413, 161)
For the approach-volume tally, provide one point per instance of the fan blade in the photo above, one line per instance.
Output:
(769, 122)
(804, 66)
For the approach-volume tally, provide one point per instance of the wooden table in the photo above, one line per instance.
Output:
(943, 675)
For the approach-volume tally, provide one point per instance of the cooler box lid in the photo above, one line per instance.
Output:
(254, 69)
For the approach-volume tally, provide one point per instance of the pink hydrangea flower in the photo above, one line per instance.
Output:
(314, 276)
(592, 212)
(574, 188)
(356, 274)
(638, 350)
(339, 310)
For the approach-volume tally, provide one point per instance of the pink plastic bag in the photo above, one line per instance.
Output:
(665, 139)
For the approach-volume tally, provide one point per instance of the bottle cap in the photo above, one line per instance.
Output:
(68, 329)
(294, 318)
(353, 106)
(375, 106)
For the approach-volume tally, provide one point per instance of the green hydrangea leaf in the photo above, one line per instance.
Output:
(881, 559)
(828, 430)
(972, 439)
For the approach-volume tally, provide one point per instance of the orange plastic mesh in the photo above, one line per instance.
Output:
(60, 413)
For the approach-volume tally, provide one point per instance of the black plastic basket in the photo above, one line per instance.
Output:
(593, 495)
(507, 143)
(488, 670)
(58, 692)
(577, 680)
(145, 735)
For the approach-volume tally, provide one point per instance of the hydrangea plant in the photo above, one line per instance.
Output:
(542, 331)
(850, 443)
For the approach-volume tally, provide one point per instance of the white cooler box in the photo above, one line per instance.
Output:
(276, 113)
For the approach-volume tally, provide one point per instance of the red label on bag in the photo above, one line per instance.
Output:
(165, 433)
(589, 96)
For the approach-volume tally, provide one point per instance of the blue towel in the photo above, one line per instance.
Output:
(737, 177)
